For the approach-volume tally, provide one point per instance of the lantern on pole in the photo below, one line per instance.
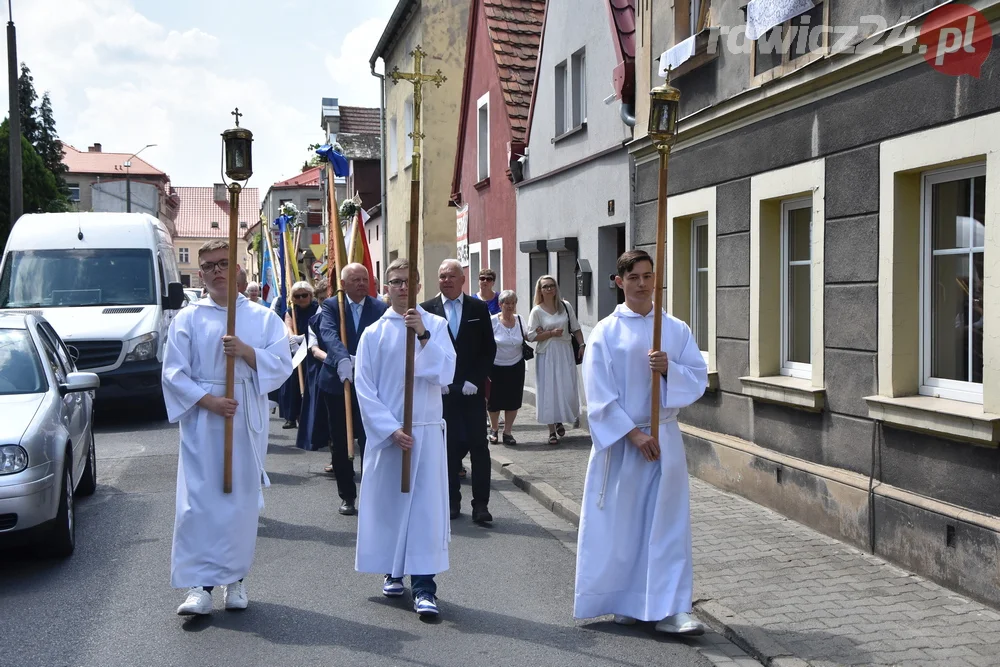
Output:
(238, 167)
(664, 110)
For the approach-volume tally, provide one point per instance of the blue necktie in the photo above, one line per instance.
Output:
(356, 307)
(453, 317)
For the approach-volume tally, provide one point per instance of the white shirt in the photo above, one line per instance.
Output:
(508, 341)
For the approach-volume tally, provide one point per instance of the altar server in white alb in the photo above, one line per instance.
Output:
(215, 533)
(404, 533)
(634, 551)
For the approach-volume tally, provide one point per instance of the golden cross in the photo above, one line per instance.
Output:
(418, 79)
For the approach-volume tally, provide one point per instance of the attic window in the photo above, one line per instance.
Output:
(243, 224)
(215, 224)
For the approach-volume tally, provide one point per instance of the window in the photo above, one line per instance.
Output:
(796, 268)
(495, 249)
(483, 134)
(183, 255)
(74, 191)
(784, 47)
(560, 81)
(571, 93)
(699, 282)
(314, 205)
(393, 148)
(538, 266)
(952, 305)
(408, 119)
(214, 224)
(475, 264)
(579, 112)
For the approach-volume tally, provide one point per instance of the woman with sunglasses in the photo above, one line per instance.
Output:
(487, 280)
(304, 306)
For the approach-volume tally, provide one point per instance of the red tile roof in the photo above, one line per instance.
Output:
(198, 210)
(80, 162)
(515, 32)
(360, 120)
(308, 178)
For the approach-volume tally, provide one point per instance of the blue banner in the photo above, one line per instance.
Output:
(341, 167)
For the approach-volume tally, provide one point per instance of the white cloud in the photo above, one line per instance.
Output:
(350, 69)
(118, 77)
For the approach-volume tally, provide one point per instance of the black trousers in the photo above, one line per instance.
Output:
(466, 418)
(343, 467)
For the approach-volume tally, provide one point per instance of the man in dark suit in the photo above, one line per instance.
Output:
(360, 310)
(464, 408)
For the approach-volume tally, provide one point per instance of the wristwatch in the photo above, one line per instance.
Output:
(425, 335)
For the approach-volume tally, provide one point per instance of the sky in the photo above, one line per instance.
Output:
(126, 73)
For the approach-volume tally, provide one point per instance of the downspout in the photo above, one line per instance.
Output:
(627, 113)
(381, 166)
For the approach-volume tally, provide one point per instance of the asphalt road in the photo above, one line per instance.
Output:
(507, 599)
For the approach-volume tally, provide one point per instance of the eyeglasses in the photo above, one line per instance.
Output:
(304, 295)
(398, 282)
(222, 265)
(548, 287)
(485, 279)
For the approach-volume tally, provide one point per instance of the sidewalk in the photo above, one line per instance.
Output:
(788, 595)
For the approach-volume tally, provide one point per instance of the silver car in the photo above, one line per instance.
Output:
(46, 434)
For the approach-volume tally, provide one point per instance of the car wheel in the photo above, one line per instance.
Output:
(63, 537)
(88, 482)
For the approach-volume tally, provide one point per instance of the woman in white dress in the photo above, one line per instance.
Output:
(550, 324)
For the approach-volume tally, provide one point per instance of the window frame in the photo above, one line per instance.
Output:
(561, 86)
(393, 148)
(696, 222)
(491, 245)
(789, 64)
(796, 369)
(407, 132)
(578, 88)
(71, 187)
(969, 392)
(483, 148)
(475, 249)
(184, 255)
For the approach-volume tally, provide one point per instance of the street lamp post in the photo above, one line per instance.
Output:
(663, 112)
(128, 180)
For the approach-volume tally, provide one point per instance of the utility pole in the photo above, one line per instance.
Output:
(16, 180)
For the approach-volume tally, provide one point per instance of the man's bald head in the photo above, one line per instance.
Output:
(355, 279)
(451, 278)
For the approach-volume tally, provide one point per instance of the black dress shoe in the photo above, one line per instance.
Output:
(481, 515)
(288, 424)
(347, 508)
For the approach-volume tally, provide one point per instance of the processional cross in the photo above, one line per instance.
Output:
(418, 79)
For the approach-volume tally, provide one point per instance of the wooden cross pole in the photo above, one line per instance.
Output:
(418, 79)
(231, 295)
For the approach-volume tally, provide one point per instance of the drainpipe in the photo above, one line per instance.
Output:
(627, 112)
(381, 164)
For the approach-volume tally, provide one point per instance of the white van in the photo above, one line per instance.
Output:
(109, 285)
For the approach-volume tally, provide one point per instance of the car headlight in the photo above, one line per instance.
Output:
(143, 347)
(13, 459)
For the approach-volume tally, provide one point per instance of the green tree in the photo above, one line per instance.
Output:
(41, 192)
(26, 98)
(48, 146)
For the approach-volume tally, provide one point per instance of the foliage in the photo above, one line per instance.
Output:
(348, 209)
(289, 209)
(48, 146)
(41, 192)
(26, 98)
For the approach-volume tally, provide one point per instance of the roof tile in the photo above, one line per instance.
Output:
(360, 120)
(515, 30)
(79, 162)
(198, 210)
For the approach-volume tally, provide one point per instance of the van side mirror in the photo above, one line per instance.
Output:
(175, 296)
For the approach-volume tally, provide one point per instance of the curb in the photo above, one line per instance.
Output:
(723, 620)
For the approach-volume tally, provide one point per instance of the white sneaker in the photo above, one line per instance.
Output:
(198, 603)
(681, 624)
(236, 596)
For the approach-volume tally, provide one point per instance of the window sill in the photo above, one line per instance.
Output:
(700, 57)
(713, 381)
(582, 127)
(393, 175)
(485, 183)
(785, 390)
(955, 420)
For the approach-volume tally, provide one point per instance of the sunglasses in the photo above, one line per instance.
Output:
(304, 295)
(222, 265)
(485, 279)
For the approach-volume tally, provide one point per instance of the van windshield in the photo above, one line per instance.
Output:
(83, 277)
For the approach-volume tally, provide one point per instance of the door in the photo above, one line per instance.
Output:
(75, 406)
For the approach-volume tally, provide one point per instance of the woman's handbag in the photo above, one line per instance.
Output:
(572, 338)
(527, 352)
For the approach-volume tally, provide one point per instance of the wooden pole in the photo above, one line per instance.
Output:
(418, 79)
(335, 247)
(659, 272)
(232, 292)
(291, 255)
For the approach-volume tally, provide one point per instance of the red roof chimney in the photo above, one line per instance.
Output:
(96, 148)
